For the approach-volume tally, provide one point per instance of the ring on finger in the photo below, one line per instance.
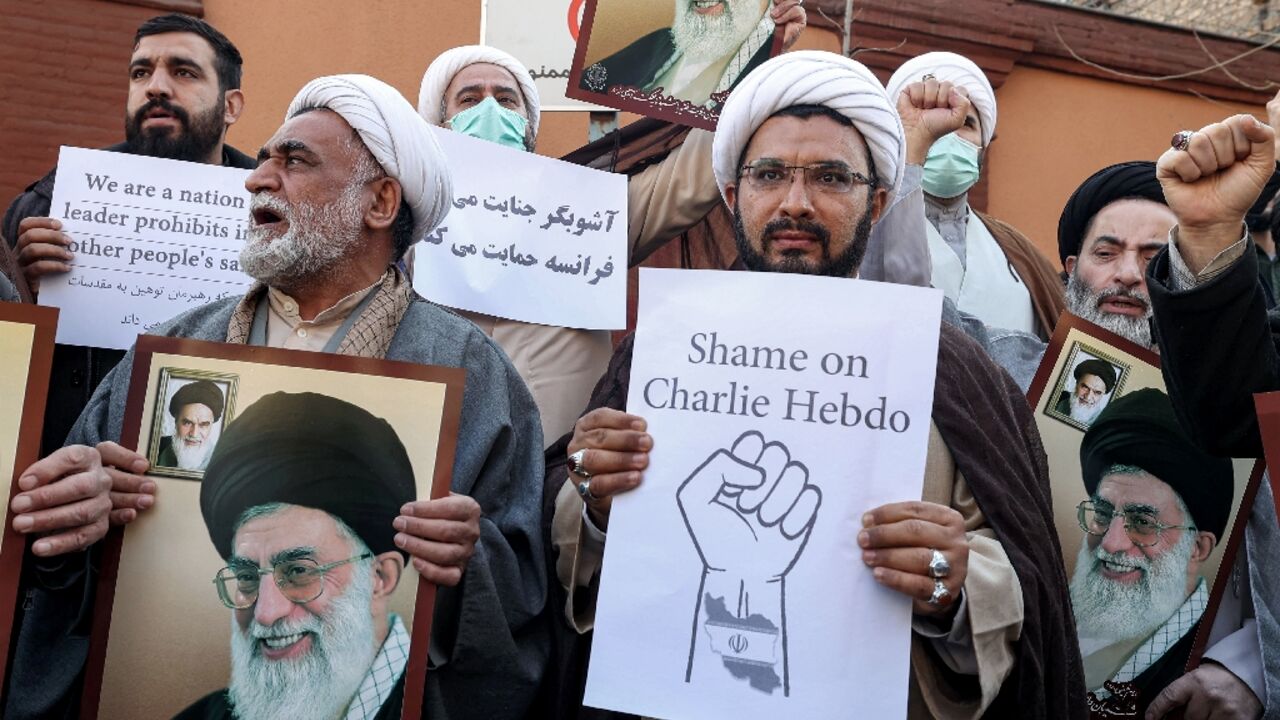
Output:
(940, 593)
(938, 565)
(584, 490)
(927, 77)
(576, 463)
(1181, 140)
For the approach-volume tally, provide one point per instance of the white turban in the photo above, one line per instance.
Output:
(451, 62)
(401, 141)
(957, 70)
(811, 77)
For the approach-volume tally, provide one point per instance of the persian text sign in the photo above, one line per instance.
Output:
(528, 238)
(151, 239)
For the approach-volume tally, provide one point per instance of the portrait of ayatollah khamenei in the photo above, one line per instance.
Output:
(276, 569)
(674, 60)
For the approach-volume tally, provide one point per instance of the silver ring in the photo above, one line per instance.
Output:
(584, 490)
(927, 77)
(575, 464)
(1181, 140)
(938, 565)
(940, 593)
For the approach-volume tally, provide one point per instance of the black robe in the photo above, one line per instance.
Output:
(638, 64)
(1148, 684)
(990, 431)
(1218, 346)
(217, 706)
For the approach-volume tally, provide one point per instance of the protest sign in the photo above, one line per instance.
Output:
(151, 238)
(671, 62)
(299, 436)
(541, 34)
(1146, 580)
(528, 238)
(732, 584)
(26, 360)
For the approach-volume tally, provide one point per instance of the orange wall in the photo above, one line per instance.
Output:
(288, 42)
(1055, 130)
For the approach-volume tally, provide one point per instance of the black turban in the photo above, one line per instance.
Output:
(1104, 370)
(200, 392)
(1140, 429)
(314, 451)
(1126, 180)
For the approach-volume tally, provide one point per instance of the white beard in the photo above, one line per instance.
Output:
(319, 685)
(194, 458)
(1082, 302)
(318, 239)
(1082, 413)
(1116, 612)
(700, 39)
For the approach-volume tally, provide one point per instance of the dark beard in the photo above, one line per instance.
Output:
(194, 142)
(844, 265)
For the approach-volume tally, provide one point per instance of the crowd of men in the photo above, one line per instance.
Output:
(825, 171)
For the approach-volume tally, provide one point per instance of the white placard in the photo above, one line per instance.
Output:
(707, 610)
(541, 34)
(151, 238)
(528, 238)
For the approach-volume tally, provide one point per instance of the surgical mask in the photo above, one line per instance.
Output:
(490, 121)
(951, 167)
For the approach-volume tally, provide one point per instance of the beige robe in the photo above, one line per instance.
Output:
(562, 365)
(993, 595)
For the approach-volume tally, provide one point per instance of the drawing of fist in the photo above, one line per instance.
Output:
(750, 509)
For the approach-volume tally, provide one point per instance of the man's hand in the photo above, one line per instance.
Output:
(929, 111)
(1212, 184)
(1273, 119)
(750, 509)
(897, 542)
(440, 536)
(42, 249)
(131, 492)
(791, 16)
(617, 452)
(64, 498)
(1209, 691)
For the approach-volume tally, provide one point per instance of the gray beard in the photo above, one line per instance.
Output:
(194, 458)
(1082, 413)
(1083, 302)
(701, 39)
(1107, 610)
(321, 684)
(319, 238)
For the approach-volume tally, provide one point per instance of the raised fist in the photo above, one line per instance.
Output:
(929, 110)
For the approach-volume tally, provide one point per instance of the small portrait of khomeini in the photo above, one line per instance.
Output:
(189, 415)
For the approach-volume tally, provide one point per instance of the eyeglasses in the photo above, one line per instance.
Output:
(299, 580)
(1143, 528)
(828, 177)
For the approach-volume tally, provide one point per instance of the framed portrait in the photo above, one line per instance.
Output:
(1087, 382)
(191, 408)
(26, 359)
(671, 61)
(1150, 525)
(1268, 406)
(270, 578)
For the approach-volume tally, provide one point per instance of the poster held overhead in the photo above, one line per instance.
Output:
(733, 585)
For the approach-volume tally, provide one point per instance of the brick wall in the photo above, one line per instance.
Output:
(63, 81)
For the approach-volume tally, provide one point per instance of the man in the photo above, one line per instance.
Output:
(184, 92)
(1110, 228)
(343, 188)
(311, 558)
(988, 268)
(1095, 379)
(195, 409)
(708, 47)
(1156, 506)
(486, 93)
(815, 109)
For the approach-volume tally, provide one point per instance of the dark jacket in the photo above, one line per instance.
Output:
(1212, 383)
(76, 370)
